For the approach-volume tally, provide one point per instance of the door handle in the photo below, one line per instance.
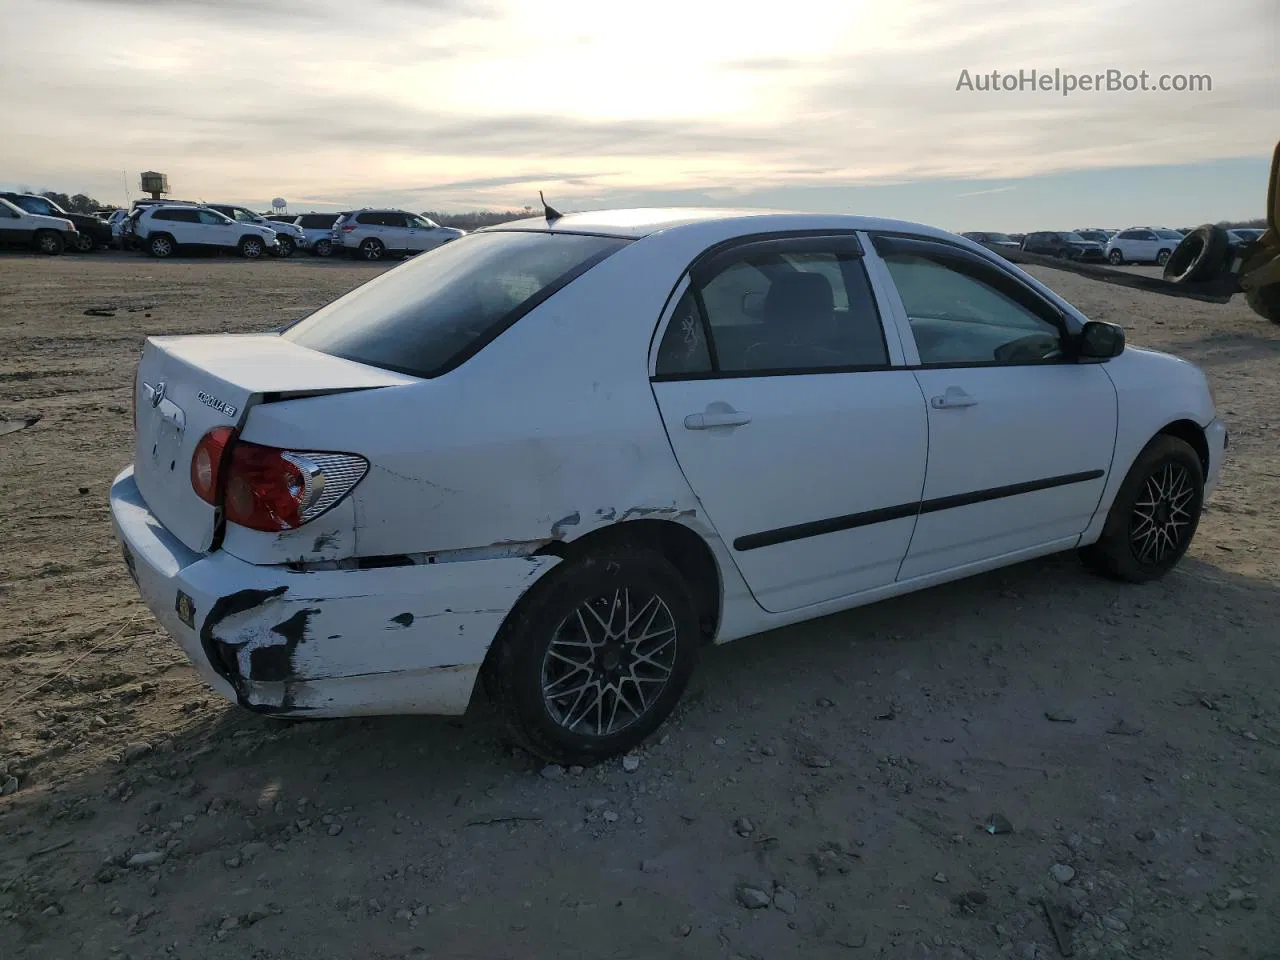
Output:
(953, 399)
(724, 418)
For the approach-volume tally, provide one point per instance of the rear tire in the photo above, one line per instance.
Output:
(1154, 516)
(160, 246)
(251, 248)
(372, 249)
(1163, 257)
(1115, 258)
(595, 657)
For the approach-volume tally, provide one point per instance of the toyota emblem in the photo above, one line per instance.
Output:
(158, 394)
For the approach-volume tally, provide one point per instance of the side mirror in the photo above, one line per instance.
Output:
(753, 305)
(1100, 341)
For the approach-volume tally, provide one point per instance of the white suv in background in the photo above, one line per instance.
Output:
(374, 234)
(1143, 245)
(290, 237)
(163, 229)
(49, 235)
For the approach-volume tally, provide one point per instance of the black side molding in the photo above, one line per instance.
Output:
(816, 528)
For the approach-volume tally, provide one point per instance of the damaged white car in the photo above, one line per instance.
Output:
(565, 453)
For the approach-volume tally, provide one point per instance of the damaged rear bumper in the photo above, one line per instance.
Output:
(406, 639)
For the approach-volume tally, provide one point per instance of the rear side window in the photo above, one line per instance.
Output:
(430, 315)
(799, 305)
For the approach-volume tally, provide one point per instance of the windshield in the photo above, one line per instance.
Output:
(39, 205)
(999, 238)
(426, 317)
(1168, 235)
(1074, 238)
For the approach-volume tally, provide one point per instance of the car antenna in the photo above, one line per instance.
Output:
(548, 211)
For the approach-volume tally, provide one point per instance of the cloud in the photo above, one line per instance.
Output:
(983, 193)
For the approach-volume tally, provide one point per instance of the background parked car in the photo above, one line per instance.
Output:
(116, 223)
(1100, 237)
(992, 241)
(1242, 236)
(1017, 238)
(289, 236)
(1062, 244)
(165, 229)
(91, 233)
(317, 231)
(1143, 245)
(374, 234)
(50, 235)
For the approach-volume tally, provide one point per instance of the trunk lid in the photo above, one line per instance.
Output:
(188, 385)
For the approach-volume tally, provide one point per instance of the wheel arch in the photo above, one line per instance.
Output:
(1192, 434)
(681, 546)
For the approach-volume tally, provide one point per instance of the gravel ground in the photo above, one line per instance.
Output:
(959, 773)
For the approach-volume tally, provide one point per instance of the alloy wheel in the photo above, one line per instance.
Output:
(372, 250)
(48, 243)
(1162, 516)
(83, 242)
(161, 247)
(608, 663)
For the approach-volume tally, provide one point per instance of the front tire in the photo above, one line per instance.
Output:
(83, 242)
(49, 242)
(1115, 258)
(592, 661)
(285, 248)
(1154, 516)
(372, 250)
(1163, 257)
(251, 248)
(322, 248)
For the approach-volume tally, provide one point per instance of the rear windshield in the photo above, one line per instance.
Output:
(429, 315)
(313, 220)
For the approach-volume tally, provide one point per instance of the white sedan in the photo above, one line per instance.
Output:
(562, 454)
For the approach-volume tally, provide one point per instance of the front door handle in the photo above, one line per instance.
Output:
(716, 418)
(952, 399)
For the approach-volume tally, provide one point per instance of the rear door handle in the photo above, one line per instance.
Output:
(705, 421)
(953, 398)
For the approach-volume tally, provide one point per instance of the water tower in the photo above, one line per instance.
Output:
(279, 206)
(154, 184)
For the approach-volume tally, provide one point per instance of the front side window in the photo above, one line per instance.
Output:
(7, 212)
(798, 306)
(431, 314)
(963, 313)
(1168, 235)
(212, 217)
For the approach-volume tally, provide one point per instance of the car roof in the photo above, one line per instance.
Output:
(634, 223)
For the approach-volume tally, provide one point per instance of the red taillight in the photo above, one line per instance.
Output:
(264, 491)
(264, 488)
(207, 463)
(347, 229)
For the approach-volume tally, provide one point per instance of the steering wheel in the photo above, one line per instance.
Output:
(1036, 346)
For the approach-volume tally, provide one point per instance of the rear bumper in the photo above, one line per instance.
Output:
(407, 639)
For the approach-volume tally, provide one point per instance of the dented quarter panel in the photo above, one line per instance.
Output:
(331, 536)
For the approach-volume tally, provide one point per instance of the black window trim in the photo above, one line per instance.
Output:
(884, 241)
(705, 261)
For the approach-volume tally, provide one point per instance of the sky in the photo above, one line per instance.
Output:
(846, 106)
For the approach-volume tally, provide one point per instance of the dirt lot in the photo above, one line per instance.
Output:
(835, 776)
